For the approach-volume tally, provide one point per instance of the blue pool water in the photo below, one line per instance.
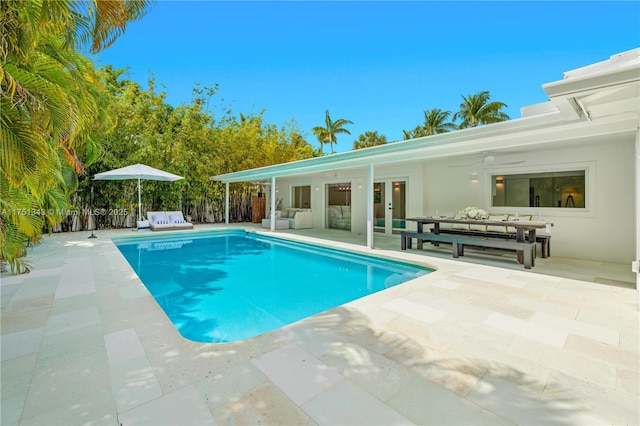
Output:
(232, 285)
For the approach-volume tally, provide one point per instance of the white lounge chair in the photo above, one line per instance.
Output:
(177, 220)
(167, 221)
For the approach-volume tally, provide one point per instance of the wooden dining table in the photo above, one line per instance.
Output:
(525, 230)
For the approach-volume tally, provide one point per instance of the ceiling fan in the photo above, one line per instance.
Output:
(335, 175)
(488, 160)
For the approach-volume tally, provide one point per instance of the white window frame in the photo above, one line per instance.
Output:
(589, 210)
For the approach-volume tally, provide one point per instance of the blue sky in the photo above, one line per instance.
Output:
(378, 64)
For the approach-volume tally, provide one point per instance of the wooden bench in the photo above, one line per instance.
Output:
(458, 243)
(544, 240)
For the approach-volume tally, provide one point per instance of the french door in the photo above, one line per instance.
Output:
(389, 206)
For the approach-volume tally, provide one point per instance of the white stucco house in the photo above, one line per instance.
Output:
(573, 160)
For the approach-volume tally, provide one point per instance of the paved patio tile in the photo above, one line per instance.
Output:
(447, 284)
(371, 371)
(133, 383)
(414, 310)
(21, 343)
(231, 384)
(264, 404)
(424, 402)
(182, 407)
(579, 328)
(478, 344)
(56, 348)
(299, 374)
(19, 306)
(616, 407)
(12, 409)
(598, 351)
(521, 406)
(73, 320)
(36, 289)
(577, 365)
(77, 380)
(541, 333)
(98, 410)
(629, 382)
(16, 374)
(344, 403)
(123, 345)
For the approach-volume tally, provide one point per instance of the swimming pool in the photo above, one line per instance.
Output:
(224, 286)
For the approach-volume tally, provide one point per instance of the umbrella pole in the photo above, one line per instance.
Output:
(91, 215)
(139, 205)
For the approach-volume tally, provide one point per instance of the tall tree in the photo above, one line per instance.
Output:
(476, 109)
(435, 122)
(418, 132)
(51, 106)
(408, 134)
(189, 141)
(327, 134)
(368, 139)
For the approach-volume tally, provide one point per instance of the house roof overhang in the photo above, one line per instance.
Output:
(598, 90)
(588, 103)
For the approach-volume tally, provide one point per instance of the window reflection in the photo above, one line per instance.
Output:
(302, 197)
(564, 189)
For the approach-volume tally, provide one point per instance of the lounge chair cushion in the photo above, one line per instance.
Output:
(159, 219)
(176, 218)
(166, 221)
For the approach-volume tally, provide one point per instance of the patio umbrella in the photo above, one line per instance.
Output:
(137, 171)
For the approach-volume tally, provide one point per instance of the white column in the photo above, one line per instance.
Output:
(226, 203)
(636, 264)
(370, 206)
(273, 203)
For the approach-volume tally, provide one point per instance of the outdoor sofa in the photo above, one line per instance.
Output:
(167, 221)
(291, 219)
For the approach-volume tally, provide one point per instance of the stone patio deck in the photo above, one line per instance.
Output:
(83, 342)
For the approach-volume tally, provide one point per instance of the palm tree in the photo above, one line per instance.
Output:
(369, 138)
(435, 122)
(407, 134)
(476, 109)
(328, 133)
(418, 132)
(51, 105)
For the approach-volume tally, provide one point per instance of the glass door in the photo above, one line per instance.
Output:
(389, 206)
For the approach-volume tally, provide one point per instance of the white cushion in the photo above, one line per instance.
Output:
(482, 228)
(512, 217)
(176, 218)
(159, 219)
(462, 226)
(497, 217)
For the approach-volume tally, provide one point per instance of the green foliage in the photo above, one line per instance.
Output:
(52, 105)
(476, 109)
(328, 133)
(187, 140)
(369, 138)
